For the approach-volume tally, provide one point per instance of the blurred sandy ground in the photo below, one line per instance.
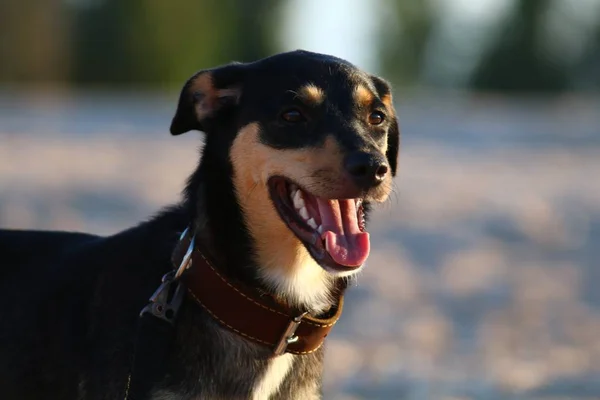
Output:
(482, 283)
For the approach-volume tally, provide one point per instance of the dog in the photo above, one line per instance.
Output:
(298, 147)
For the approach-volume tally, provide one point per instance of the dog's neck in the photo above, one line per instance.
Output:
(219, 225)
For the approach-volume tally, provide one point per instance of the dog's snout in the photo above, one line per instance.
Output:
(366, 169)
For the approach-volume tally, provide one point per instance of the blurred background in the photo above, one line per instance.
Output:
(483, 279)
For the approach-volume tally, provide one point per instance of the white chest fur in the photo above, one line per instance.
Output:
(276, 371)
(265, 386)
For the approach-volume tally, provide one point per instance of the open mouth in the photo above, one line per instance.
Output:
(333, 230)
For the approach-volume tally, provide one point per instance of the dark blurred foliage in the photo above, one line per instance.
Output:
(32, 41)
(404, 40)
(159, 43)
(145, 41)
(526, 53)
(515, 61)
(133, 42)
(519, 59)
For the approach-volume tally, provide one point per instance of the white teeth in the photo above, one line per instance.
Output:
(298, 200)
(303, 213)
(320, 229)
(327, 246)
(311, 222)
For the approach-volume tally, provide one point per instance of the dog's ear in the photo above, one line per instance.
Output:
(384, 90)
(205, 94)
(393, 145)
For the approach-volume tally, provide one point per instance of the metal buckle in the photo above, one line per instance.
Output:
(288, 336)
(160, 305)
(186, 261)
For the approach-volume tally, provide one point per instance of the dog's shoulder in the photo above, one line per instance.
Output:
(29, 251)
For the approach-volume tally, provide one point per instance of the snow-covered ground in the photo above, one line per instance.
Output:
(482, 282)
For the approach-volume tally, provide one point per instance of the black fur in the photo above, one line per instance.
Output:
(70, 300)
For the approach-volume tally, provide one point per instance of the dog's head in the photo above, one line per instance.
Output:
(311, 141)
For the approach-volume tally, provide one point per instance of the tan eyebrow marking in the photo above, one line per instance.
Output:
(388, 102)
(311, 94)
(363, 96)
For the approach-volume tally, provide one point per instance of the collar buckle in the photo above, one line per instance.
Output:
(165, 302)
(288, 337)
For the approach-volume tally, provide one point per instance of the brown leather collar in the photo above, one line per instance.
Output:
(245, 311)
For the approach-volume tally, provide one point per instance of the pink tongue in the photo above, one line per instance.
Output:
(344, 241)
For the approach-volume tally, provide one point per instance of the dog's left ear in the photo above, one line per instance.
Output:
(205, 94)
(393, 145)
(384, 90)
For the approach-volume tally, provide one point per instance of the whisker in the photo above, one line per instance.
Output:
(251, 190)
(296, 95)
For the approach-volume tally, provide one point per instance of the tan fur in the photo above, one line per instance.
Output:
(311, 94)
(363, 96)
(253, 164)
(209, 100)
(387, 101)
(282, 257)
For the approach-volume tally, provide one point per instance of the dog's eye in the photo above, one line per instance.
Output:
(376, 118)
(293, 115)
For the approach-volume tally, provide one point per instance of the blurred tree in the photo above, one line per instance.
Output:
(32, 41)
(99, 41)
(403, 39)
(587, 74)
(153, 42)
(516, 61)
(158, 42)
(536, 49)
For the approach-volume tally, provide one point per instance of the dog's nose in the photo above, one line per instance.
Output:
(366, 169)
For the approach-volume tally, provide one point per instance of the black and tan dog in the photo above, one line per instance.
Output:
(298, 145)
